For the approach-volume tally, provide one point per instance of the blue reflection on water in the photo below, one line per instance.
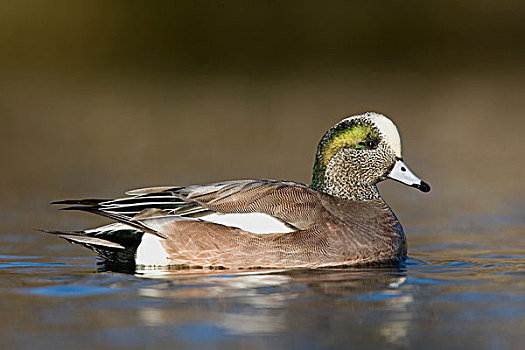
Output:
(18, 257)
(28, 264)
(68, 291)
(326, 308)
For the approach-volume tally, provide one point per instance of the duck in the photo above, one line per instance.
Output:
(340, 219)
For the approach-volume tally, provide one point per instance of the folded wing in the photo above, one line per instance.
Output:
(259, 206)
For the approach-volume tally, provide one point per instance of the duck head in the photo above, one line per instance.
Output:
(357, 153)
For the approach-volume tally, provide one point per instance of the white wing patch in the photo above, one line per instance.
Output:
(251, 222)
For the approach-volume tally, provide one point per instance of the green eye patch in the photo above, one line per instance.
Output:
(344, 135)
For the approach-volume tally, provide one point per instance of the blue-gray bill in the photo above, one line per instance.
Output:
(401, 173)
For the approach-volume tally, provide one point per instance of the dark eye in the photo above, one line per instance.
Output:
(370, 144)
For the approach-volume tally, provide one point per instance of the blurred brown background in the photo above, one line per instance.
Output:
(97, 97)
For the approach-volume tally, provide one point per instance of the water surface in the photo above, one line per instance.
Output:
(457, 295)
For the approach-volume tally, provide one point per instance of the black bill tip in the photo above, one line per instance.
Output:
(422, 186)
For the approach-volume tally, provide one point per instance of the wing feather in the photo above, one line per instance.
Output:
(288, 202)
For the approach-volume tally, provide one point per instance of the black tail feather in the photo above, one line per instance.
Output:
(90, 201)
(114, 248)
(79, 237)
(117, 217)
(58, 232)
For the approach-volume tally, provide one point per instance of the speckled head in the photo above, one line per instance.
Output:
(357, 153)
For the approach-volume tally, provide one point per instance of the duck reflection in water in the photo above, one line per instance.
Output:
(270, 301)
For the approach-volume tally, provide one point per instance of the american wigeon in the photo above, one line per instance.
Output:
(340, 219)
